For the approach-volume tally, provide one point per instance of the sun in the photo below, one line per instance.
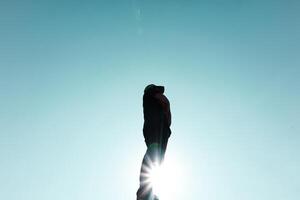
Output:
(165, 179)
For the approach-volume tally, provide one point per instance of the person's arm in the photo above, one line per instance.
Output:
(165, 104)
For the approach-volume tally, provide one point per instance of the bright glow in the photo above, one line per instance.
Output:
(156, 177)
(166, 179)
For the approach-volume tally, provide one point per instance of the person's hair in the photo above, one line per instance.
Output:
(153, 89)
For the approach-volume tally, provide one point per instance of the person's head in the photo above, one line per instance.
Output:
(154, 89)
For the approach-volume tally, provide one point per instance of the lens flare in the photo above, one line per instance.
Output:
(165, 179)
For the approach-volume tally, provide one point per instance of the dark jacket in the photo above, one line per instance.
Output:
(157, 116)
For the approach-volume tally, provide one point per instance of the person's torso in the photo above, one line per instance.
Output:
(157, 119)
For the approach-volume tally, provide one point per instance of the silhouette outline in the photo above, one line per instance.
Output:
(156, 131)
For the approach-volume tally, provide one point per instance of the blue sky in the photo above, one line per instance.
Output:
(72, 76)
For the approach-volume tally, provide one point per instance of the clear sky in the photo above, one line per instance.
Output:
(72, 75)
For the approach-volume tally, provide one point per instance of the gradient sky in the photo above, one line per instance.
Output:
(72, 76)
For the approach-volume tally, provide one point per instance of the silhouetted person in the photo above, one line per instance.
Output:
(156, 130)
